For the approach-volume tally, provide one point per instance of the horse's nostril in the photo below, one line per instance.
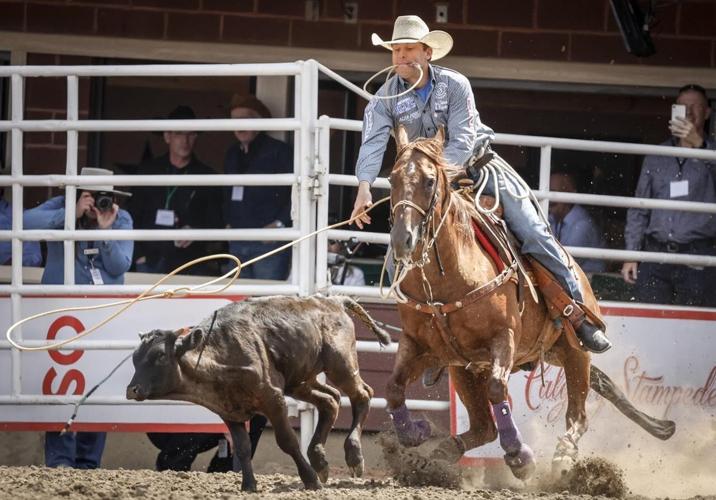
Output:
(409, 240)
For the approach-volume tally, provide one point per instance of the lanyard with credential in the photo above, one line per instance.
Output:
(172, 190)
(170, 194)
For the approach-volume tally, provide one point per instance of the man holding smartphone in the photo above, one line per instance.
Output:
(669, 178)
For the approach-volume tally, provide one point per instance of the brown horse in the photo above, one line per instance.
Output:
(468, 318)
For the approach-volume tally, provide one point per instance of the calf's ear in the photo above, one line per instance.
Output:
(188, 342)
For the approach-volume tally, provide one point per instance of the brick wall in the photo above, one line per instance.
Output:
(46, 99)
(560, 30)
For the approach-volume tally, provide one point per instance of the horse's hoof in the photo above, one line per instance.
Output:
(419, 432)
(561, 465)
(522, 464)
(449, 450)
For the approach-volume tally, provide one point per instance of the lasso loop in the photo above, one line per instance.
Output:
(183, 290)
(389, 69)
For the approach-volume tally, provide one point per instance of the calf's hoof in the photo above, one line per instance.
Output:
(522, 463)
(313, 486)
(249, 486)
(415, 434)
(356, 465)
(354, 457)
(317, 457)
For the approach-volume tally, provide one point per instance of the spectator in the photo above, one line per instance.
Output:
(96, 262)
(572, 225)
(31, 254)
(179, 450)
(167, 207)
(666, 177)
(262, 206)
(343, 273)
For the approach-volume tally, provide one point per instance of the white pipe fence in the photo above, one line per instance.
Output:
(311, 180)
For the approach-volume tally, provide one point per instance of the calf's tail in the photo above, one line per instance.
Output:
(362, 314)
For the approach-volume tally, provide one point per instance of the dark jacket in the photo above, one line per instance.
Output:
(260, 205)
(196, 207)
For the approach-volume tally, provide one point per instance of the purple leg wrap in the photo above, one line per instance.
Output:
(518, 456)
(410, 432)
(510, 438)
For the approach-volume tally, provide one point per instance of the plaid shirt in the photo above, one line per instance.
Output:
(450, 103)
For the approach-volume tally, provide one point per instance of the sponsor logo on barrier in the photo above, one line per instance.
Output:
(640, 386)
(71, 376)
(645, 388)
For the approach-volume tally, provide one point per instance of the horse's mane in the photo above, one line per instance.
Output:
(463, 209)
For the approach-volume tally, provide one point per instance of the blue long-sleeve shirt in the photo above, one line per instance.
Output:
(113, 259)
(31, 253)
(577, 229)
(657, 174)
(449, 103)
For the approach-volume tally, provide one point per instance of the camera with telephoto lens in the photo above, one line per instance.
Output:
(104, 201)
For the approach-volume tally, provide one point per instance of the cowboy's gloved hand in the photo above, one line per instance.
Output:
(479, 159)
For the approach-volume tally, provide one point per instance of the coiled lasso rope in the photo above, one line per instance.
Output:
(389, 69)
(196, 290)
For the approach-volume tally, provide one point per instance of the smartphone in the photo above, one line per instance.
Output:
(678, 111)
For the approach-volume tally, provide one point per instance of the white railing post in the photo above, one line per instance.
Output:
(308, 107)
(545, 170)
(322, 185)
(71, 169)
(17, 87)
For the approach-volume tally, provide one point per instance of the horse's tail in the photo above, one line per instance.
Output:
(362, 314)
(603, 385)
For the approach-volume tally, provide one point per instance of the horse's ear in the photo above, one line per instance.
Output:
(401, 137)
(440, 136)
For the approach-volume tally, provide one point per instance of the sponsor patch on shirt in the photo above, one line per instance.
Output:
(405, 105)
(440, 90)
(407, 118)
(440, 104)
(368, 116)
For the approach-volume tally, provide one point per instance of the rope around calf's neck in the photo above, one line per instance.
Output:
(179, 291)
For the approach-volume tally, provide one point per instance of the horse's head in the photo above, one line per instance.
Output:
(417, 186)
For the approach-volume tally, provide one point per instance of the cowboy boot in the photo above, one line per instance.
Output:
(592, 337)
(561, 304)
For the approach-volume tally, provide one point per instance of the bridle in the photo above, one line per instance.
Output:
(428, 230)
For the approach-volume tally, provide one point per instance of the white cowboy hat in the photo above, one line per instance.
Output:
(412, 29)
(106, 188)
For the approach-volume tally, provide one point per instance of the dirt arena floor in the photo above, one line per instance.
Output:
(404, 474)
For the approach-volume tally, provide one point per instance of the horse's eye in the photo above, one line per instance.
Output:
(430, 182)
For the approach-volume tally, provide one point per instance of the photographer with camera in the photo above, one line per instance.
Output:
(673, 231)
(339, 267)
(96, 262)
